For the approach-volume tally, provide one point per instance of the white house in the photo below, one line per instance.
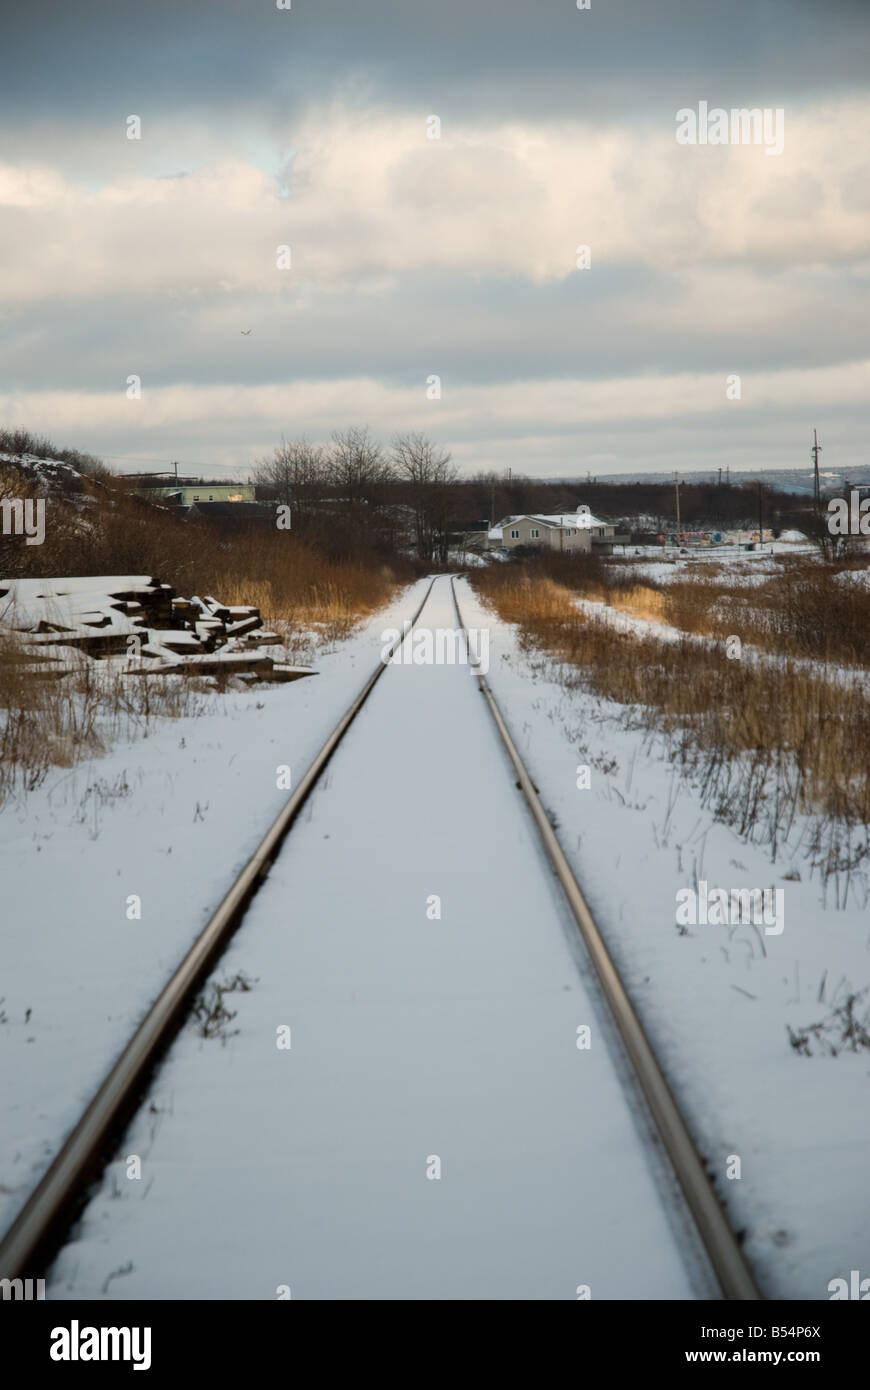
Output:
(578, 530)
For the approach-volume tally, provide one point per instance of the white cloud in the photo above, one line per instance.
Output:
(318, 407)
(748, 252)
(370, 196)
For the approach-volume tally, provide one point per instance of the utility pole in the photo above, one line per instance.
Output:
(677, 490)
(817, 491)
(760, 529)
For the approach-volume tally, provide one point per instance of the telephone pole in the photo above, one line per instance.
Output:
(677, 491)
(817, 491)
(760, 528)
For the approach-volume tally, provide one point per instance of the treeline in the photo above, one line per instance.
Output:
(355, 485)
(412, 486)
(331, 570)
(357, 498)
(702, 505)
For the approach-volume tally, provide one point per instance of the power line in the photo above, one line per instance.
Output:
(143, 458)
(170, 463)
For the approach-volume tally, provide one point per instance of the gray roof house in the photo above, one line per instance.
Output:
(578, 530)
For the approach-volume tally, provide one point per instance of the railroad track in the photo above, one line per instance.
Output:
(723, 1250)
(39, 1229)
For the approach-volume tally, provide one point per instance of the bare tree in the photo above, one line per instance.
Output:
(429, 474)
(359, 468)
(298, 472)
(815, 527)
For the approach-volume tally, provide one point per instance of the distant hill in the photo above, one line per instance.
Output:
(49, 469)
(45, 475)
(798, 481)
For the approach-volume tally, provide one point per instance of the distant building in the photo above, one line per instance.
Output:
(184, 492)
(568, 531)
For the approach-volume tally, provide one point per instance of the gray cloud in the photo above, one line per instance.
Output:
(487, 57)
(752, 274)
(474, 331)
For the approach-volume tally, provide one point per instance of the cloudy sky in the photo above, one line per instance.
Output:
(414, 257)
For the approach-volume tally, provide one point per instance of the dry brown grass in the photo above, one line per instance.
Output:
(307, 592)
(325, 577)
(288, 578)
(805, 611)
(639, 601)
(764, 741)
(523, 598)
(47, 722)
(527, 596)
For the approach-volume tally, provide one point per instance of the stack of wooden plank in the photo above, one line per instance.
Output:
(51, 625)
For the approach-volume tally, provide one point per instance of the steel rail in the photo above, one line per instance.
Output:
(723, 1250)
(37, 1230)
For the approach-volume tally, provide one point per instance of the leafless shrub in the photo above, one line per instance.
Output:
(211, 1015)
(845, 1029)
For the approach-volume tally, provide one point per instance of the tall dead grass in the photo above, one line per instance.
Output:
(765, 742)
(806, 611)
(320, 577)
(47, 722)
(309, 590)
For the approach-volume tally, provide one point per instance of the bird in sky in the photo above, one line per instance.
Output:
(246, 332)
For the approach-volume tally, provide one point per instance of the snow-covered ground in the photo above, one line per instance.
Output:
(751, 653)
(740, 568)
(415, 1037)
(860, 579)
(171, 819)
(420, 1033)
(717, 1000)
